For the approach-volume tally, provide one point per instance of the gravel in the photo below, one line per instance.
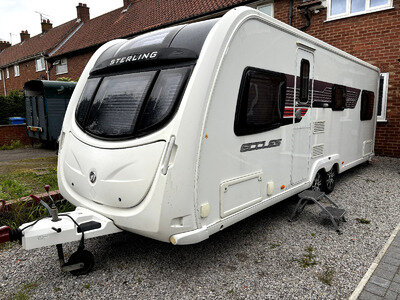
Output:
(256, 258)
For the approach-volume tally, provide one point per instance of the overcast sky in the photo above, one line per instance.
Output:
(17, 15)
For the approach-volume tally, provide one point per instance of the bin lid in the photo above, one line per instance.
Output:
(49, 89)
(16, 118)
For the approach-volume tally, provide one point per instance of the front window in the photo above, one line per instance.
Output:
(40, 64)
(383, 95)
(7, 73)
(130, 105)
(267, 9)
(16, 70)
(62, 67)
(347, 8)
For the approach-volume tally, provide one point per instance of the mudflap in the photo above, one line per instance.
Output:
(46, 232)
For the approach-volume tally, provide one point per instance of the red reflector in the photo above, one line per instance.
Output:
(4, 234)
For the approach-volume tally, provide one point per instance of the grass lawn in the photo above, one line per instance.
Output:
(19, 179)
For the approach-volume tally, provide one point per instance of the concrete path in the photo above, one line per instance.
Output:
(382, 281)
(25, 153)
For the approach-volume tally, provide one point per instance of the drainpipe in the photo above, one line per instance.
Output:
(307, 12)
(47, 67)
(308, 18)
(291, 12)
(4, 82)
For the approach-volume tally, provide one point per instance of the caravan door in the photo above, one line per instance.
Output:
(302, 115)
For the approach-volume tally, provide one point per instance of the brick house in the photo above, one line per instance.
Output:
(367, 29)
(27, 60)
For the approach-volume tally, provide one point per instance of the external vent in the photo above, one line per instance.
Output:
(319, 127)
(367, 147)
(317, 150)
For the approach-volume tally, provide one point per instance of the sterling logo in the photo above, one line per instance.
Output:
(134, 57)
(92, 177)
(260, 145)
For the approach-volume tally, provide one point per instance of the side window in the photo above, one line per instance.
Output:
(304, 80)
(367, 105)
(261, 101)
(338, 97)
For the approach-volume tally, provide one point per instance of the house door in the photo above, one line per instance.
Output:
(302, 115)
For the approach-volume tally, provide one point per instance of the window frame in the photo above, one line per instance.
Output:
(382, 116)
(7, 73)
(1, 71)
(348, 13)
(239, 128)
(41, 59)
(62, 64)
(265, 5)
(16, 70)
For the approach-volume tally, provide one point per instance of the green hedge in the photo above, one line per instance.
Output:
(12, 105)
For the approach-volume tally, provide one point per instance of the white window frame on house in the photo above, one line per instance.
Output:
(271, 4)
(1, 71)
(62, 67)
(40, 65)
(382, 116)
(7, 73)
(348, 13)
(16, 70)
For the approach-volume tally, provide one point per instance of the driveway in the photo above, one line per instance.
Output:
(262, 257)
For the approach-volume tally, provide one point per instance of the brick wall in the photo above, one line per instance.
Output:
(75, 64)
(27, 72)
(374, 38)
(9, 133)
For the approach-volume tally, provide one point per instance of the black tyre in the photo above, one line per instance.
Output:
(329, 180)
(318, 184)
(84, 257)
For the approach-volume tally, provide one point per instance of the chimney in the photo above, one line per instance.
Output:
(24, 35)
(46, 25)
(4, 45)
(83, 12)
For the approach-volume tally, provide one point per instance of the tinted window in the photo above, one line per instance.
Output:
(304, 80)
(85, 100)
(117, 104)
(129, 105)
(367, 105)
(261, 101)
(338, 97)
(163, 97)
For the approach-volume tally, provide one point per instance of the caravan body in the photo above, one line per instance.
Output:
(183, 131)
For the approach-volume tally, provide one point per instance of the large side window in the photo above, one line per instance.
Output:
(338, 97)
(304, 80)
(261, 101)
(367, 105)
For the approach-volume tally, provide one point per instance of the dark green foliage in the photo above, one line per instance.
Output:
(12, 105)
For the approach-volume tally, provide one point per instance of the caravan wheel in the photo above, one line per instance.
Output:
(330, 180)
(318, 182)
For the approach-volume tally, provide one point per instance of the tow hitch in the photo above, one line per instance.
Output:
(62, 228)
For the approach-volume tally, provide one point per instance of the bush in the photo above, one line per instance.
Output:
(12, 105)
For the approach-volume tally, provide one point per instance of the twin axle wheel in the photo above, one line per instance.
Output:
(325, 181)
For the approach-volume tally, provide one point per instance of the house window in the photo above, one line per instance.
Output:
(62, 67)
(0, 73)
(7, 73)
(346, 8)
(16, 70)
(261, 101)
(382, 100)
(40, 64)
(338, 97)
(267, 9)
(367, 105)
(304, 80)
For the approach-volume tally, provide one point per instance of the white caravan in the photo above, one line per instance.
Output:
(181, 132)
